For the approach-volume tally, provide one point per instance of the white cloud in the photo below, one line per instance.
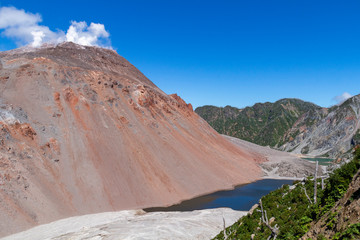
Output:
(81, 33)
(38, 37)
(25, 28)
(342, 98)
(12, 17)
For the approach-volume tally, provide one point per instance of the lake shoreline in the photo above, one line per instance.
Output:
(241, 198)
(282, 178)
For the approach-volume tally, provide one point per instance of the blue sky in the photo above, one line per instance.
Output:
(226, 52)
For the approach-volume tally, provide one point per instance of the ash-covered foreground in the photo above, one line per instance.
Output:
(136, 224)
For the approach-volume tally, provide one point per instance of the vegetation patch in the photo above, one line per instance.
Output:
(352, 232)
(293, 211)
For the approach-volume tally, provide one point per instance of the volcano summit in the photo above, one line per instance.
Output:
(84, 131)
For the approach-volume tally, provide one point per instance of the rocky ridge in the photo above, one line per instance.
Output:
(331, 136)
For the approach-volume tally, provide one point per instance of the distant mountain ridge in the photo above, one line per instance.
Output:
(291, 125)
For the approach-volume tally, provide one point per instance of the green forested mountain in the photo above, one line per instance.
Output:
(291, 125)
(264, 123)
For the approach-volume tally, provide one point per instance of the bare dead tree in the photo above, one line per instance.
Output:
(315, 181)
(224, 230)
(224, 226)
(262, 212)
(274, 230)
(307, 195)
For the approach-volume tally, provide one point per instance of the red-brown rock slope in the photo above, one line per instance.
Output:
(83, 131)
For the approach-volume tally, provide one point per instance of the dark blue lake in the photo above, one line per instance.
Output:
(241, 198)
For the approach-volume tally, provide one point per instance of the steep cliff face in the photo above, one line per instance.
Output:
(291, 125)
(330, 136)
(83, 131)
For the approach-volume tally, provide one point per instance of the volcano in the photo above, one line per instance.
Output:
(84, 131)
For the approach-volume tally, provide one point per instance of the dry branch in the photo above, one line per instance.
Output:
(274, 230)
(315, 181)
(225, 235)
(307, 195)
